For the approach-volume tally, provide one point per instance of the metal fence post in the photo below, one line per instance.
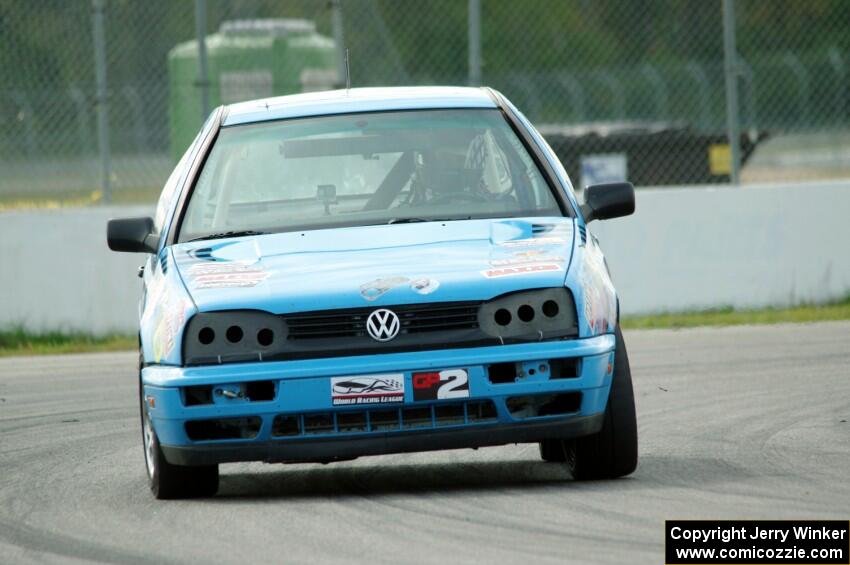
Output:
(474, 42)
(339, 42)
(731, 68)
(837, 63)
(101, 99)
(201, 33)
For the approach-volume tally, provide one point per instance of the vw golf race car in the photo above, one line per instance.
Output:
(371, 271)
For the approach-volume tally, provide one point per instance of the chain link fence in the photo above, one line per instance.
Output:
(632, 88)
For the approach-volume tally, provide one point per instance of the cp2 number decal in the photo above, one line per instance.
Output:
(450, 383)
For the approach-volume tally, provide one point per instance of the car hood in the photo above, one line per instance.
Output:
(376, 265)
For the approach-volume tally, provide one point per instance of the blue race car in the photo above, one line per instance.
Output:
(371, 271)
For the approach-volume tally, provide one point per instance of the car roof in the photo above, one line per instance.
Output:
(356, 100)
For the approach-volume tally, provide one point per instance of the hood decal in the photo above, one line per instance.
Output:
(377, 288)
(226, 275)
(424, 285)
(208, 253)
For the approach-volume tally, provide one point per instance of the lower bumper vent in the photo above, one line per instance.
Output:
(534, 405)
(223, 428)
(383, 420)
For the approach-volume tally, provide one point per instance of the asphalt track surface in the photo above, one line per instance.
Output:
(745, 422)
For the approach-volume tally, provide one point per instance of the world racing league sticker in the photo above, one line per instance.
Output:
(370, 389)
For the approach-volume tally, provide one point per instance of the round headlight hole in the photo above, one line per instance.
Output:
(234, 334)
(206, 336)
(502, 317)
(550, 309)
(525, 313)
(265, 337)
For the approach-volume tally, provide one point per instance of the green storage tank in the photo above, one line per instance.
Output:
(247, 59)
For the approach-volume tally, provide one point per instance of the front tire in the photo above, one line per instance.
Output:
(169, 481)
(552, 451)
(613, 451)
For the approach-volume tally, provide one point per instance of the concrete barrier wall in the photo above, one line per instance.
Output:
(56, 272)
(685, 248)
(707, 247)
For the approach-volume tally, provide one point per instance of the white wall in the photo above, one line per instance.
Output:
(56, 272)
(704, 247)
(685, 248)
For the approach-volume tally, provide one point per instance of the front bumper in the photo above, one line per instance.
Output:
(301, 391)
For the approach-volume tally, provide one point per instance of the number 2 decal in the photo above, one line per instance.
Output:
(449, 383)
(455, 384)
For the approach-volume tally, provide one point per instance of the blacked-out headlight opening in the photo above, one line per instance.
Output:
(541, 313)
(232, 336)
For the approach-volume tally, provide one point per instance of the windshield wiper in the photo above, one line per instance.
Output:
(415, 220)
(222, 235)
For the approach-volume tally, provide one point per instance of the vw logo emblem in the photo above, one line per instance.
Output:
(383, 325)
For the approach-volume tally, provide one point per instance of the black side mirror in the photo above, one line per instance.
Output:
(132, 235)
(604, 201)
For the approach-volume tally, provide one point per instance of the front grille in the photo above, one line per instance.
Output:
(340, 333)
(414, 318)
(385, 419)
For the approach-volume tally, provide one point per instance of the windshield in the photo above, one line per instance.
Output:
(365, 169)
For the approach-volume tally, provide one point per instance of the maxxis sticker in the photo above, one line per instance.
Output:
(521, 270)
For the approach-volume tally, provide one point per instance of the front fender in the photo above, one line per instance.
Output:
(166, 305)
(591, 285)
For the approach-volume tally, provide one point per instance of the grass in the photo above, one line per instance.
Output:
(75, 199)
(19, 342)
(839, 310)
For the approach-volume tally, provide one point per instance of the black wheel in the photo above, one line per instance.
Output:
(169, 481)
(552, 451)
(613, 451)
